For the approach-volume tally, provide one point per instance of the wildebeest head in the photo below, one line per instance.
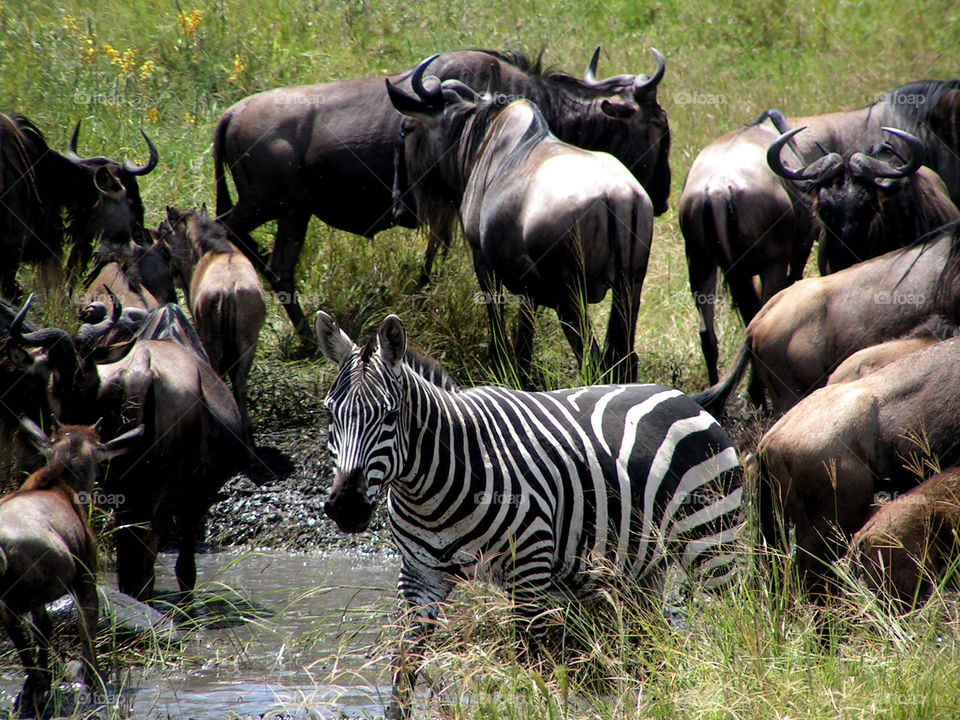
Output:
(619, 115)
(105, 198)
(77, 449)
(641, 140)
(853, 200)
(367, 435)
(44, 357)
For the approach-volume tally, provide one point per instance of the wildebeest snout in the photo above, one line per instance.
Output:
(347, 505)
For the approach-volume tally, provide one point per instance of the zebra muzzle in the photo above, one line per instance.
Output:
(347, 505)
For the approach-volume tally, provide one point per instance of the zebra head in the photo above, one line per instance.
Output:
(366, 438)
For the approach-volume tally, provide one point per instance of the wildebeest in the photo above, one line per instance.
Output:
(48, 549)
(907, 547)
(223, 293)
(826, 459)
(331, 150)
(193, 436)
(799, 338)
(551, 222)
(101, 198)
(869, 203)
(736, 214)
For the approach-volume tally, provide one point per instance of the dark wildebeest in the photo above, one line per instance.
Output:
(138, 271)
(331, 151)
(223, 293)
(826, 459)
(906, 549)
(48, 549)
(868, 204)
(551, 222)
(100, 197)
(736, 214)
(801, 336)
(193, 439)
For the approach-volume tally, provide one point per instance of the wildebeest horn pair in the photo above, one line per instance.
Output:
(433, 91)
(127, 165)
(642, 85)
(825, 168)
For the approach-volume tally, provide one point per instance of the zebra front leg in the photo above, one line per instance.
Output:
(423, 596)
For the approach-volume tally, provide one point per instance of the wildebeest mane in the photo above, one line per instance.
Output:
(905, 104)
(948, 286)
(212, 236)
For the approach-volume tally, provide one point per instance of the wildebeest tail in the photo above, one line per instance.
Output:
(224, 203)
(714, 398)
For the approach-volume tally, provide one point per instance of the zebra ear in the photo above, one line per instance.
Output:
(392, 339)
(334, 342)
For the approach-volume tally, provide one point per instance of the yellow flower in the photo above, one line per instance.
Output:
(112, 53)
(189, 118)
(147, 69)
(238, 67)
(151, 115)
(68, 21)
(189, 22)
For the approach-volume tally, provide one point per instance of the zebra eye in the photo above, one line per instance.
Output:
(391, 416)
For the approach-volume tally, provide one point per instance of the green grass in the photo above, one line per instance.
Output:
(122, 66)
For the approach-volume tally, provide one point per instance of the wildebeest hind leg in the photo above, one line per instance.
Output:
(136, 554)
(37, 685)
(523, 342)
(291, 231)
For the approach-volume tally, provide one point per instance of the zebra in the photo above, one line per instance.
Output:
(540, 487)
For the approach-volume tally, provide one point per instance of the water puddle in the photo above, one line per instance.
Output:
(281, 634)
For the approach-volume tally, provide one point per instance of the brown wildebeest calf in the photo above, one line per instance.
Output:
(224, 295)
(47, 549)
(907, 546)
(826, 459)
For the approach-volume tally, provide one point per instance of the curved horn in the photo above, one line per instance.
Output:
(877, 169)
(817, 170)
(590, 74)
(642, 85)
(151, 162)
(416, 81)
(72, 148)
(117, 306)
(18, 320)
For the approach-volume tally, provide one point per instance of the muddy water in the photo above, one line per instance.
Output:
(304, 646)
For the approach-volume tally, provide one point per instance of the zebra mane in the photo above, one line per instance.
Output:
(420, 363)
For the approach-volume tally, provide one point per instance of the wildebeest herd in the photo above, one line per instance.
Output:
(555, 181)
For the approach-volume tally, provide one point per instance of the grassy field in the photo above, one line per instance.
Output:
(172, 68)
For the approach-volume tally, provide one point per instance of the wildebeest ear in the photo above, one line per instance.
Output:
(392, 340)
(203, 211)
(334, 343)
(120, 444)
(619, 110)
(107, 183)
(37, 437)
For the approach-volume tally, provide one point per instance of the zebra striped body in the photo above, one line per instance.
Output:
(548, 486)
(542, 488)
